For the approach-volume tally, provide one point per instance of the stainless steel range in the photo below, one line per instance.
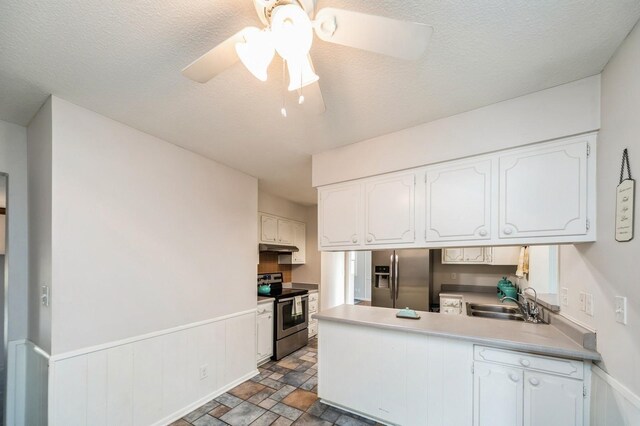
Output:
(290, 328)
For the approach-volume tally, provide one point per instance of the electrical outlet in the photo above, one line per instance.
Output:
(454, 275)
(204, 371)
(564, 296)
(583, 301)
(44, 295)
(621, 309)
(588, 308)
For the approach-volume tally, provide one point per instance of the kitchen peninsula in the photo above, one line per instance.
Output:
(451, 369)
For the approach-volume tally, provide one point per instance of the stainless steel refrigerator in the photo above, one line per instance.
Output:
(401, 278)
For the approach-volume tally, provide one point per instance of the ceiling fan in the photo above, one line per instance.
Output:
(290, 25)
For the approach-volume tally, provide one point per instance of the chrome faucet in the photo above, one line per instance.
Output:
(529, 309)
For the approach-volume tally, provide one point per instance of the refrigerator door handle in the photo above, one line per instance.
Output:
(396, 276)
(391, 279)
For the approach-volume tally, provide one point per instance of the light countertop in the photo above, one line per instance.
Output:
(535, 338)
(265, 299)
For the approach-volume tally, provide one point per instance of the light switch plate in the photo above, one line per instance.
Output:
(564, 296)
(454, 276)
(621, 309)
(204, 371)
(589, 304)
(44, 295)
(583, 301)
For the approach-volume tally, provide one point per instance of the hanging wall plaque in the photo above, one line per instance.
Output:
(625, 202)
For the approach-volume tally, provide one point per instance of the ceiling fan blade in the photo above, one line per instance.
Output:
(392, 37)
(313, 100)
(216, 60)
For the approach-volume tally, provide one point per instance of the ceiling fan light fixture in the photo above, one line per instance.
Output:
(257, 52)
(292, 31)
(300, 73)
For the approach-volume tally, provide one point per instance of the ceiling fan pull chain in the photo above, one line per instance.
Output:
(300, 95)
(283, 110)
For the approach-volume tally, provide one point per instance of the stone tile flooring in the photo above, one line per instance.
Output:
(283, 394)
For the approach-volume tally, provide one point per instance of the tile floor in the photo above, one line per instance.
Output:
(283, 394)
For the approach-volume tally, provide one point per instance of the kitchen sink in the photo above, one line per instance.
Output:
(505, 309)
(497, 315)
(503, 312)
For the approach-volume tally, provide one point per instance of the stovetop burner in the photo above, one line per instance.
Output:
(278, 292)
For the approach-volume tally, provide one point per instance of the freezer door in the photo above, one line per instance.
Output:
(382, 297)
(412, 279)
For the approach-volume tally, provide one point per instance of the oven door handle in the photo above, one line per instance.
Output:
(291, 298)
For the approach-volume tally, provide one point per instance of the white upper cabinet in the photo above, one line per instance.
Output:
(465, 255)
(285, 231)
(543, 191)
(300, 241)
(268, 229)
(538, 194)
(339, 215)
(458, 201)
(390, 209)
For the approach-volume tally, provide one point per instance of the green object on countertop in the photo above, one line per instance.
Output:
(505, 286)
(407, 313)
(264, 289)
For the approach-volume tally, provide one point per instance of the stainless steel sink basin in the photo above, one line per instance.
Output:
(497, 315)
(493, 308)
(503, 312)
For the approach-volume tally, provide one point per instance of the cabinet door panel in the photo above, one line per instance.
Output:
(339, 215)
(299, 240)
(452, 255)
(265, 336)
(473, 255)
(285, 231)
(497, 395)
(542, 391)
(459, 202)
(543, 192)
(390, 210)
(268, 229)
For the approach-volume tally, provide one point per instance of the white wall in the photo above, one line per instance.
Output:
(553, 113)
(146, 235)
(332, 283)
(13, 161)
(607, 268)
(40, 185)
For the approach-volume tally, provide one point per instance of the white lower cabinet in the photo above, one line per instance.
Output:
(516, 388)
(264, 332)
(542, 391)
(497, 395)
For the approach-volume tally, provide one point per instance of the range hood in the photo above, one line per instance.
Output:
(276, 248)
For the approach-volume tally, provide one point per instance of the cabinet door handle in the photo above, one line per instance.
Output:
(483, 232)
(354, 239)
(525, 362)
(369, 238)
(507, 231)
(514, 378)
(534, 381)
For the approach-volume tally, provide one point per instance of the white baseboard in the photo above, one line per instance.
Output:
(186, 410)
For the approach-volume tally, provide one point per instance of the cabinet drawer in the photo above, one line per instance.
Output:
(558, 366)
(313, 307)
(265, 307)
(313, 297)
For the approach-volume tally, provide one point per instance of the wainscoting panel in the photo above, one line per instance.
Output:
(27, 382)
(153, 379)
(612, 404)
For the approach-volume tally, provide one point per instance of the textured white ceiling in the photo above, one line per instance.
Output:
(123, 60)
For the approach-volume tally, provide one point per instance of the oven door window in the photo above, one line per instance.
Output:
(289, 321)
